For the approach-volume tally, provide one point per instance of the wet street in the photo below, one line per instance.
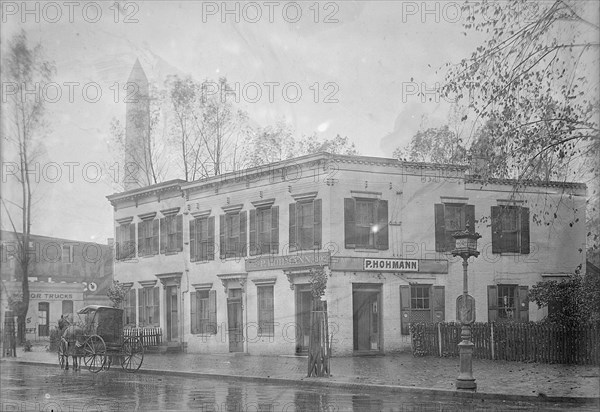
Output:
(47, 388)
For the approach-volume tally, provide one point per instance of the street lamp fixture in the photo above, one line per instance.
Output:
(465, 247)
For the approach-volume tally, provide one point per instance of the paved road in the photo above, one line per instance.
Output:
(47, 388)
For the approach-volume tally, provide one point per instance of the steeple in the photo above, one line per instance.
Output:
(137, 129)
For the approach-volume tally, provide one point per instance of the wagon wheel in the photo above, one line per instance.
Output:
(94, 353)
(62, 353)
(133, 354)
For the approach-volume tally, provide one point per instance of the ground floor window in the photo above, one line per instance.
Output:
(507, 303)
(129, 308)
(266, 315)
(421, 303)
(149, 306)
(43, 319)
(203, 312)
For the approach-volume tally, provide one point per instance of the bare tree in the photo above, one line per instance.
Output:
(24, 70)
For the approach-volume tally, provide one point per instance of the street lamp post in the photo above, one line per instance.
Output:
(466, 246)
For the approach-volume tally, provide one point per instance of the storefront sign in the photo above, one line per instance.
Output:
(45, 296)
(287, 262)
(391, 265)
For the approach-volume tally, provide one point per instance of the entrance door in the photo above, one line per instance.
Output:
(43, 319)
(366, 303)
(235, 322)
(303, 309)
(172, 313)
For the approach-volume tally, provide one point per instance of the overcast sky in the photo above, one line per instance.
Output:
(358, 66)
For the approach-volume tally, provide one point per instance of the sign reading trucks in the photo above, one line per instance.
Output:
(391, 265)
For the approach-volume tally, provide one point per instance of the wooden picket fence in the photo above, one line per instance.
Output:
(521, 342)
(148, 336)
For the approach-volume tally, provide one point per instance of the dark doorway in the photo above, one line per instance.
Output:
(303, 309)
(366, 305)
(172, 313)
(43, 319)
(235, 322)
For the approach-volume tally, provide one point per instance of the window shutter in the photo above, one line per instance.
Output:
(163, 235)
(179, 233)
(243, 234)
(193, 314)
(253, 237)
(382, 223)
(439, 304)
(470, 217)
(222, 236)
(156, 302)
(131, 244)
(140, 240)
(318, 219)
(211, 238)
(440, 228)
(523, 304)
(349, 223)
(292, 228)
(118, 241)
(155, 237)
(525, 230)
(141, 306)
(212, 311)
(275, 230)
(492, 302)
(496, 230)
(193, 240)
(404, 309)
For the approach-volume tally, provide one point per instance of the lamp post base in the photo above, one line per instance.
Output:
(467, 384)
(465, 378)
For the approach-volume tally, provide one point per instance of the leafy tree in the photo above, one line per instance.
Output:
(575, 300)
(533, 77)
(117, 294)
(337, 145)
(271, 144)
(24, 68)
(434, 145)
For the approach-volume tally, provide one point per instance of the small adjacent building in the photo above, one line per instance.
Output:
(224, 264)
(64, 276)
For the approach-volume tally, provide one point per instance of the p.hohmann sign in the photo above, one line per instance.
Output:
(391, 265)
(286, 262)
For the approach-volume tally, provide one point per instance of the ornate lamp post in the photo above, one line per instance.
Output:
(466, 246)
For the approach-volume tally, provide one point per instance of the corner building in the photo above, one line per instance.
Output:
(223, 264)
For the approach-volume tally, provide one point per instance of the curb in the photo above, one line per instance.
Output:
(434, 393)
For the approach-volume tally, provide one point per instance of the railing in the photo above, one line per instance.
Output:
(522, 342)
(149, 336)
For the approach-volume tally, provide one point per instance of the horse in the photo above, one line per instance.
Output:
(74, 336)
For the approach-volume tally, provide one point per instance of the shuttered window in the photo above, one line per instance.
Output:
(148, 233)
(202, 239)
(449, 219)
(266, 316)
(129, 306)
(171, 234)
(203, 312)
(508, 303)
(366, 223)
(125, 242)
(264, 231)
(149, 306)
(421, 303)
(305, 225)
(510, 229)
(419, 296)
(233, 235)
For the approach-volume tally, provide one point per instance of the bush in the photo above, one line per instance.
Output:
(27, 346)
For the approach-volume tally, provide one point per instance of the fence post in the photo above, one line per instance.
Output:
(439, 330)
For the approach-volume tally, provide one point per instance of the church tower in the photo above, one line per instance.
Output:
(137, 130)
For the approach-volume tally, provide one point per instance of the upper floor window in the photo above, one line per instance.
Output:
(233, 234)
(451, 218)
(148, 237)
(366, 223)
(202, 239)
(264, 230)
(510, 229)
(171, 234)
(125, 240)
(305, 224)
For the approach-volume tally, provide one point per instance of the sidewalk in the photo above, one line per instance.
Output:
(398, 372)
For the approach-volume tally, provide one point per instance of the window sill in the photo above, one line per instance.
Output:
(171, 253)
(266, 336)
(365, 250)
(204, 335)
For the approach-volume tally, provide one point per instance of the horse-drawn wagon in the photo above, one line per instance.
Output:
(99, 340)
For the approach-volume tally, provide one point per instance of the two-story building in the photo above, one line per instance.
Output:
(223, 264)
(64, 276)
